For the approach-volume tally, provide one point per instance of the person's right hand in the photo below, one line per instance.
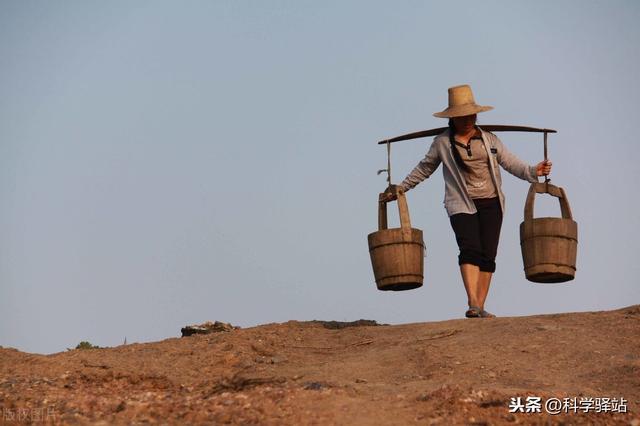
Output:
(391, 193)
(543, 168)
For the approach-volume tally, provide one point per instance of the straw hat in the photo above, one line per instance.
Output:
(461, 103)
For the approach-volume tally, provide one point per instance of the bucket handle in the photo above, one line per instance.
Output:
(546, 188)
(405, 221)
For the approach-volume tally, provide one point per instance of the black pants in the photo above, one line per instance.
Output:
(478, 234)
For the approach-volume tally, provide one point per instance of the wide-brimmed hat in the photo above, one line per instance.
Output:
(461, 103)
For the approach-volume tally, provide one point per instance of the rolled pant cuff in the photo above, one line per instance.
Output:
(470, 259)
(488, 266)
(483, 264)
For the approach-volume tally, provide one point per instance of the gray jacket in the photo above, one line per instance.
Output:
(456, 197)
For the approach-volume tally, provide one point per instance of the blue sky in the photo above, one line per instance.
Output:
(165, 163)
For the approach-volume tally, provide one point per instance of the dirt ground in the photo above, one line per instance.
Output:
(452, 372)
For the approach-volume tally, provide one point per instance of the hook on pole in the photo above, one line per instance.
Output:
(546, 177)
(388, 169)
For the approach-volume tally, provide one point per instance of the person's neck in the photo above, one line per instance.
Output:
(467, 134)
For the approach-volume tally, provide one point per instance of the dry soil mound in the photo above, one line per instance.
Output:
(451, 372)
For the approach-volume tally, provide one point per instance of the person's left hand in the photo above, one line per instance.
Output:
(543, 168)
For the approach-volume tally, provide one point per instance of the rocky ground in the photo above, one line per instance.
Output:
(468, 371)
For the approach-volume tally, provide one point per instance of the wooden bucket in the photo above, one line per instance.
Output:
(549, 245)
(397, 254)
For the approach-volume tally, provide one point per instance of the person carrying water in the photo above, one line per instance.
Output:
(473, 199)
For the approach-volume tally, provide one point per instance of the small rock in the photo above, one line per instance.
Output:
(314, 386)
(207, 328)
(244, 364)
(422, 397)
(261, 349)
(338, 325)
(361, 381)
(277, 360)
